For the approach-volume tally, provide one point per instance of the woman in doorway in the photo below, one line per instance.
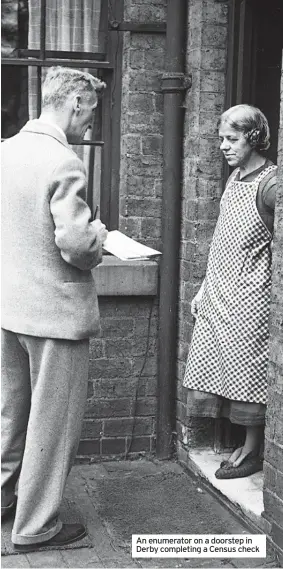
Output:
(227, 362)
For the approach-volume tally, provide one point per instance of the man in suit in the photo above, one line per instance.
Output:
(50, 309)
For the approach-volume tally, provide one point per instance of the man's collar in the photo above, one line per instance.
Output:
(50, 123)
(39, 126)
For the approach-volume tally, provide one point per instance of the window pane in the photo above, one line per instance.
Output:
(91, 157)
(71, 25)
(14, 27)
(14, 105)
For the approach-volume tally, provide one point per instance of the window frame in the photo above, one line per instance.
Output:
(109, 66)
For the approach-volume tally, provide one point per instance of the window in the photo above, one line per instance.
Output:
(37, 34)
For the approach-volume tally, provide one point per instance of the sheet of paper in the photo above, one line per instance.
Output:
(126, 248)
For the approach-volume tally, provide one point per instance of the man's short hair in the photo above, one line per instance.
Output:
(60, 82)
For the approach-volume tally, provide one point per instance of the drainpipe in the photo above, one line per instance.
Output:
(173, 85)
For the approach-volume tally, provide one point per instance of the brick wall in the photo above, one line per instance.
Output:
(142, 124)
(121, 412)
(121, 408)
(273, 466)
(202, 186)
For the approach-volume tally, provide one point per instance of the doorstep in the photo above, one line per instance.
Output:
(243, 495)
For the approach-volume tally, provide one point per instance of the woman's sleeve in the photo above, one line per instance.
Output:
(268, 191)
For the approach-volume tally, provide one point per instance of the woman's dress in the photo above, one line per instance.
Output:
(228, 354)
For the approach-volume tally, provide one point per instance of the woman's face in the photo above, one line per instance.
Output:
(234, 146)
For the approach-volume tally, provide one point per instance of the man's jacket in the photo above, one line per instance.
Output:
(49, 245)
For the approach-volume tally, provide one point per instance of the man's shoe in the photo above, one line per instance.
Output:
(8, 511)
(68, 534)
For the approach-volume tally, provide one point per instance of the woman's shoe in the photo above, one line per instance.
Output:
(250, 465)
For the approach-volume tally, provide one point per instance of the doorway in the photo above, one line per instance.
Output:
(253, 77)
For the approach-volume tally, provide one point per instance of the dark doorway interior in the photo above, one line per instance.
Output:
(256, 43)
(269, 44)
(254, 75)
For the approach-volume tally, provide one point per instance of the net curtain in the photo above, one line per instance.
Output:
(71, 25)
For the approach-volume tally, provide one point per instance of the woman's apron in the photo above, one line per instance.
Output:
(228, 354)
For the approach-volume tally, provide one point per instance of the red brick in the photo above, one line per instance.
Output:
(123, 427)
(141, 103)
(212, 81)
(138, 444)
(108, 408)
(113, 446)
(144, 82)
(89, 447)
(155, 59)
(212, 102)
(148, 41)
(273, 506)
(131, 226)
(213, 35)
(127, 347)
(131, 144)
(215, 13)
(213, 59)
(146, 406)
(125, 307)
(90, 389)
(117, 327)
(92, 428)
(142, 325)
(96, 348)
(144, 207)
(143, 123)
(104, 368)
(141, 185)
(152, 144)
(149, 366)
(119, 387)
(150, 167)
(270, 476)
(277, 535)
(272, 453)
(137, 59)
(146, 11)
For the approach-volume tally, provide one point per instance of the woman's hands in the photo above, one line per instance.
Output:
(196, 300)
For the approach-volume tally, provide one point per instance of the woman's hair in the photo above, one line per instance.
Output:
(60, 82)
(252, 122)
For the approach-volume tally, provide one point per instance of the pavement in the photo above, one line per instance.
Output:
(120, 498)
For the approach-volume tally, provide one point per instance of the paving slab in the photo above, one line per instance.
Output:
(12, 562)
(118, 499)
(44, 559)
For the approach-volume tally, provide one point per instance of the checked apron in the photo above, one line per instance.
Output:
(228, 354)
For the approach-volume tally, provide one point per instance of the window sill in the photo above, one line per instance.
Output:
(114, 277)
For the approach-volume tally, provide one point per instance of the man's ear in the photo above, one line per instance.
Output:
(77, 103)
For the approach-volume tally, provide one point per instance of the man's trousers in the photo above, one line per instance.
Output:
(44, 389)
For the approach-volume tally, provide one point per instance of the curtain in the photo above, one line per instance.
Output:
(71, 25)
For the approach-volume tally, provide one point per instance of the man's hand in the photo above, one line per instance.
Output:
(100, 229)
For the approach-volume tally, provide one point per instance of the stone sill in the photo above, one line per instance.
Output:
(114, 277)
(245, 494)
